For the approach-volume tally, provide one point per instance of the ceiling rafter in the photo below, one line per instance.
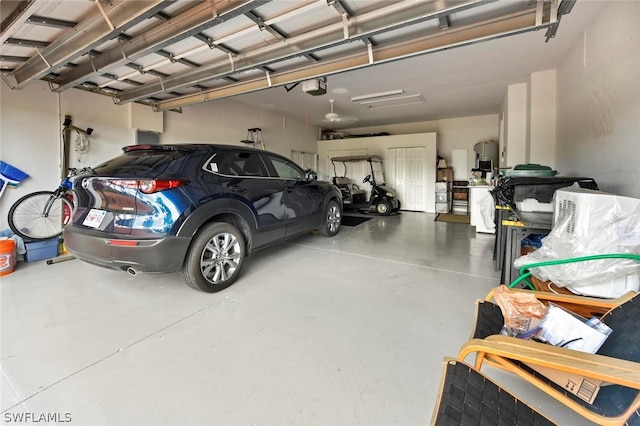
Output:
(393, 16)
(308, 39)
(515, 23)
(85, 36)
(220, 44)
(189, 23)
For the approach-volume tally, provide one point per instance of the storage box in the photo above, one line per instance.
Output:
(445, 175)
(584, 388)
(442, 207)
(533, 205)
(460, 195)
(442, 197)
(41, 250)
(442, 187)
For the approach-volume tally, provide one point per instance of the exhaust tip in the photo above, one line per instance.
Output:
(132, 271)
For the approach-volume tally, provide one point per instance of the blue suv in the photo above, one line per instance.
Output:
(195, 208)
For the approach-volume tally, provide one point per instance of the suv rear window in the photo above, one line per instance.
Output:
(138, 162)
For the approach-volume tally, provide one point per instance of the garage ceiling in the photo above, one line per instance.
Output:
(382, 61)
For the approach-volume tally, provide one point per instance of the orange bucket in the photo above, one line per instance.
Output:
(7, 256)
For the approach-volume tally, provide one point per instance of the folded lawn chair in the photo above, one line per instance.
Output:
(617, 362)
(467, 397)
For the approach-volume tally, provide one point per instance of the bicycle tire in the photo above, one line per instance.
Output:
(27, 218)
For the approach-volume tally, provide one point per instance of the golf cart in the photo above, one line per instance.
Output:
(383, 200)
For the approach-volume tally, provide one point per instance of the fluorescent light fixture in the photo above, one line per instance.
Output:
(395, 98)
(377, 95)
(395, 105)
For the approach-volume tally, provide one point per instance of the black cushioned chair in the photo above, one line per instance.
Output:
(468, 397)
(617, 362)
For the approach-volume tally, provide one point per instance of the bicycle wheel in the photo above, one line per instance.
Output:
(40, 215)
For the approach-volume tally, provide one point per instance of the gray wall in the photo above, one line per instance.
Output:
(599, 102)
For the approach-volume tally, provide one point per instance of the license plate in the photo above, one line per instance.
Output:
(94, 218)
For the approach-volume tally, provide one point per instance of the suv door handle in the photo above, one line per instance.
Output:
(235, 188)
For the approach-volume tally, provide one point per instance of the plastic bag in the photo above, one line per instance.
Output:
(600, 224)
(522, 312)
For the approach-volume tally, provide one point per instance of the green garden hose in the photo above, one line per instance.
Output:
(525, 274)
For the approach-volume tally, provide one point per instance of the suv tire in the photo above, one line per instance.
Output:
(332, 219)
(215, 258)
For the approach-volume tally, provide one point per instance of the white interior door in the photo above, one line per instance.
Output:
(408, 179)
(401, 166)
(415, 178)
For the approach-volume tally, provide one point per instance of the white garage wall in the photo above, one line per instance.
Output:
(453, 133)
(599, 102)
(31, 131)
(464, 133)
(227, 121)
(29, 140)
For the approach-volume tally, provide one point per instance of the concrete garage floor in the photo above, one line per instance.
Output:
(349, 330)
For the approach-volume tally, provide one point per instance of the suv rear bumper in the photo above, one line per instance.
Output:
(144, 255)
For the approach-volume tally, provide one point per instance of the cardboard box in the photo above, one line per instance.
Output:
(445, 175)
(41, 250)
(572, 331)
(584, 388)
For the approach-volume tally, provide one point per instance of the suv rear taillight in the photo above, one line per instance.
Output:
(149, 186)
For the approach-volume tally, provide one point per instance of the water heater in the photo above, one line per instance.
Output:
(486, 155)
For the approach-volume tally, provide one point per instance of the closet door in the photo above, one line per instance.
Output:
(400, 183)
(408, 178)
(415, 178)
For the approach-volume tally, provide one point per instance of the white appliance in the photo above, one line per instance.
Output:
(599, 222)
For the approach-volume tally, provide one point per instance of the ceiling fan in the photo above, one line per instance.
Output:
(336, 119)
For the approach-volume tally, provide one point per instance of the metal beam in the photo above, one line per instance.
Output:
(189, 23)
(8, 58)
(503, 26)
(263, 26)
(50, 22)
(393, 16)
(26, 43)
(86, 35)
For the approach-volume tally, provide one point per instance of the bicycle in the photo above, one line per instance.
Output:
(42, 215)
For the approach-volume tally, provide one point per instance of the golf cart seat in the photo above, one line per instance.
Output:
(348, 190)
